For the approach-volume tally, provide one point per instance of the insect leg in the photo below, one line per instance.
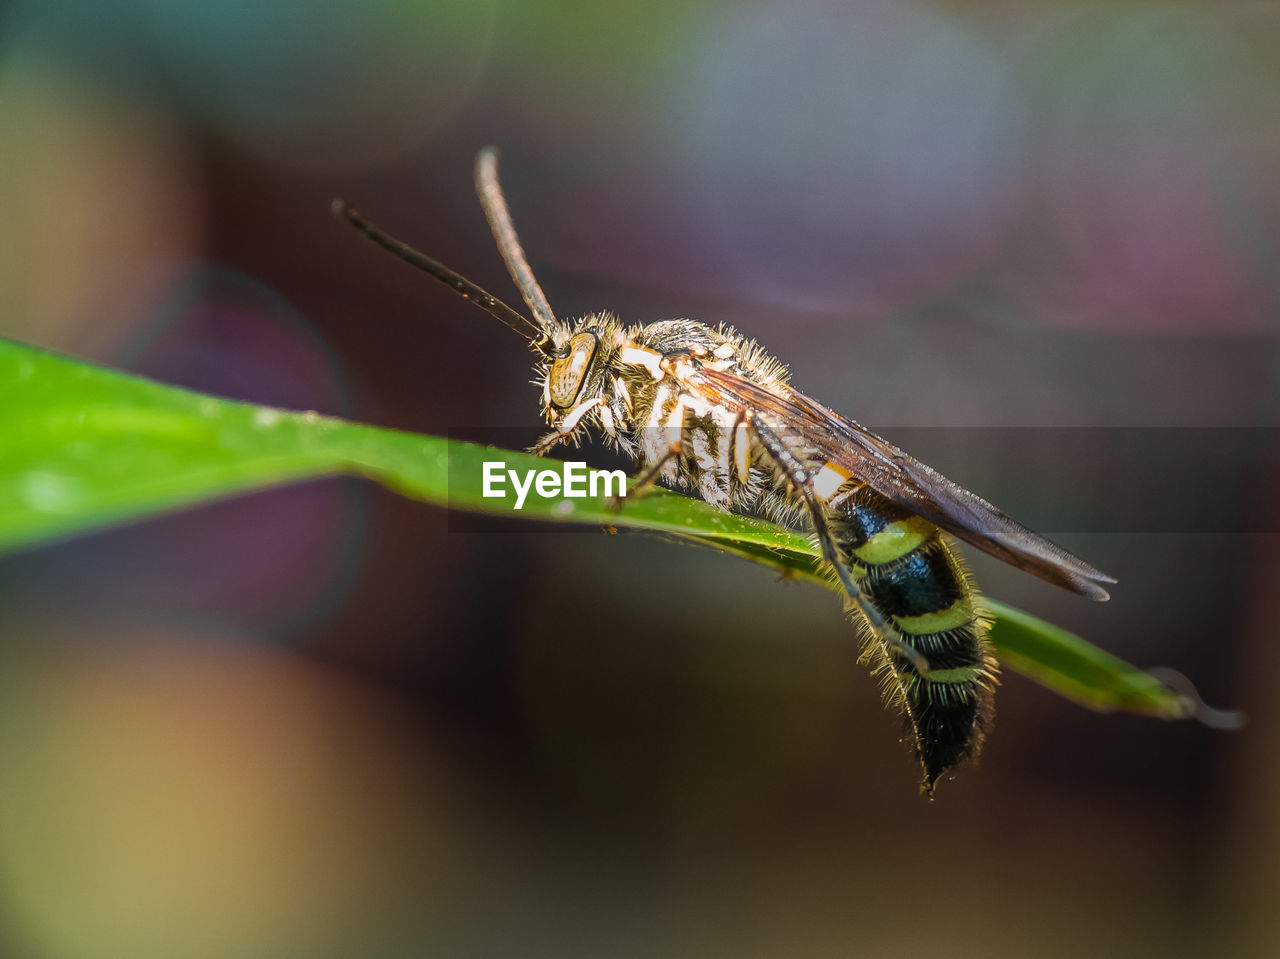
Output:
(675, 446)
(801, 481)
(548, 443)
(565, 430)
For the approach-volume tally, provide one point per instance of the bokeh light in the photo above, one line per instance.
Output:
(894, 137)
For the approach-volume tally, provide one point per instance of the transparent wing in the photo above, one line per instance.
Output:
(822, 436)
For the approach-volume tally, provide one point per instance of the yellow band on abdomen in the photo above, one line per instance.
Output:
(959, 613)
(961, 674)
(894, 541)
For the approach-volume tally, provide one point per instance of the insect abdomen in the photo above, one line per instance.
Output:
(917, 584)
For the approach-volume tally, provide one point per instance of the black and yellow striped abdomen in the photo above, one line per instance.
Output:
(934, 656)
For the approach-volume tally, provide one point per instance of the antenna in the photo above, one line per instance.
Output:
(539, 337)
(504, 232)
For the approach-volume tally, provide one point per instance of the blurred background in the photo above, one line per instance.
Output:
(1022, 239)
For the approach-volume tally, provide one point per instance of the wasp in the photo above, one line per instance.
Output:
(708, 411)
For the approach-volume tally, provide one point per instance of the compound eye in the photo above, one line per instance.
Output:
(565, 380)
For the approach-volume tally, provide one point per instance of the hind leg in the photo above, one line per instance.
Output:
(802, 482)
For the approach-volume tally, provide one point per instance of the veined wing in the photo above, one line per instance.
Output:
(828, 437)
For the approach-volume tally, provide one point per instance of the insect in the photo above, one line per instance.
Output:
(706, 410)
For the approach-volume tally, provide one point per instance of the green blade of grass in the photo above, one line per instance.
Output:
(82, 447)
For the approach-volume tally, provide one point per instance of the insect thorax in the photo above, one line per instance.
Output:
(610, 376)
(635, 388)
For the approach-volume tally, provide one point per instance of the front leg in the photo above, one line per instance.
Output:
(564, 432)
(548, 443)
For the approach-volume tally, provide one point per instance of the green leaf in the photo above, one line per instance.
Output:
(82, 447)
